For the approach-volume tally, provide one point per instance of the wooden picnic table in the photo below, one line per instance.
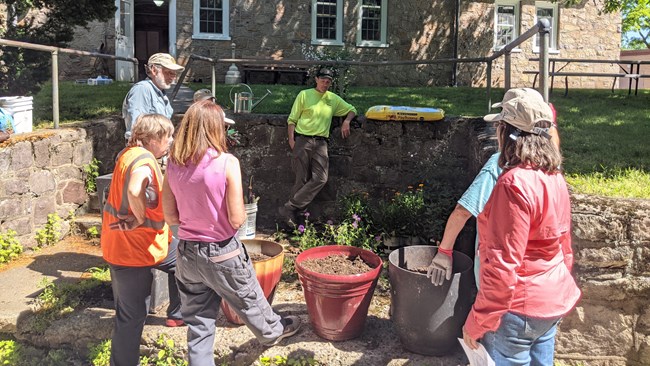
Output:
(629, 69)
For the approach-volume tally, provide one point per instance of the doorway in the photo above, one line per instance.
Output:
(151, 31)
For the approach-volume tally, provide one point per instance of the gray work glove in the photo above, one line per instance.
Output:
(440, 268)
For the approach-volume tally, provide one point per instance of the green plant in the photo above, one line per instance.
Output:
(353, 232)
(102, 273)
(100, 354)
(92, 232)
(91, 172)
(58, 300)
(10, 248)
(166, 355)
(10, 352)
(354, 203)
(51, 232)
(286, 361)
(307, 235)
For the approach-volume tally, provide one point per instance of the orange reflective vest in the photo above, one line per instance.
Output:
(147, 244)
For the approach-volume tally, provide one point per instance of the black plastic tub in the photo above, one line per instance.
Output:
(428, 318)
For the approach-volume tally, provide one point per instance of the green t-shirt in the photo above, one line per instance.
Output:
(312, 112)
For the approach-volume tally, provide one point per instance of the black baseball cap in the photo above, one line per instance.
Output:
(325, 73)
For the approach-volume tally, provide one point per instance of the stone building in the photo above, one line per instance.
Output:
(364, 30)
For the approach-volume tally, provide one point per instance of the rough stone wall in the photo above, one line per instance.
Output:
(583, 34)
(611, 325)
(42, 174)
(89, 39)
(417, 30)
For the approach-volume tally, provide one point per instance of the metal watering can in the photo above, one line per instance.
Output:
(243, 101)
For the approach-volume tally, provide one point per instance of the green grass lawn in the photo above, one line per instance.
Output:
(604, 135)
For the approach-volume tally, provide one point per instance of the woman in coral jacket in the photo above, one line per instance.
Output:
(525, 251)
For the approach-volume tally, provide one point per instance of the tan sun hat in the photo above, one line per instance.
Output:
(165, 60)
(522, 108)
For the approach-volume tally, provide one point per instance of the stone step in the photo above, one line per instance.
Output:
(83, 223)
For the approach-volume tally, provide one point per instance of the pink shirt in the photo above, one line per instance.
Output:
(200, 192)
(525, 251)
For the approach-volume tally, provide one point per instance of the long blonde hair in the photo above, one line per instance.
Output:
(149, 127)
(202, 128)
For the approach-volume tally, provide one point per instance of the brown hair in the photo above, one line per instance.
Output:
(150, 127)
(539, 152)
(202, 127)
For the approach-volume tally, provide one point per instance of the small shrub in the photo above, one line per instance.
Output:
(286, 361)
(307, 235)
(91, 172)
(10, 248)
(100, 355)
(10, 353)
(92, 232)
(166, 355)
(51, 232)
(353, 232)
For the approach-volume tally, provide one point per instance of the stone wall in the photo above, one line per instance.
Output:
(417, 30)
(42, 175)
(611, 325)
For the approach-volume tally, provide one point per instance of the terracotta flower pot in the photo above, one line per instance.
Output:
(428, 319)
(268, 271)
(338, 304)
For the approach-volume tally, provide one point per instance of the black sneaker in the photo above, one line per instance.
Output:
(291, 325)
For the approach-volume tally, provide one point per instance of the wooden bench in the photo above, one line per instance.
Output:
(273, 74)
(566, 75)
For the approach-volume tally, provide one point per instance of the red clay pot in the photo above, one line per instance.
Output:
(268, 271)
(338, 304)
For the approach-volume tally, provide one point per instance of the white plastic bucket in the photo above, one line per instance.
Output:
(21, 110)
(247, 230)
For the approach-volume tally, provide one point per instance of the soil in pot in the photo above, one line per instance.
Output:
(257, 257)
(337, 264)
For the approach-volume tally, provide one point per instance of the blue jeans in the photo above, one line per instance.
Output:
(522, 340)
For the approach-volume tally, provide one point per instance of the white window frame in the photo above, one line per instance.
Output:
(553, 36)
(516, 26)
(225, 18)
(383, 26)
(339, 25)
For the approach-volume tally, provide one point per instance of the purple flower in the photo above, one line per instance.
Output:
(306, 214)
(378, 238)
(355, 224)
(356, 218)
(301, 228)
(330, 222)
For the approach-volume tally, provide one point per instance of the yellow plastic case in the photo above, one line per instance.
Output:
(403, 113)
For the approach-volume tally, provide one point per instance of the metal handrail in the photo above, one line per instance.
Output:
(55, 65)
(542, 27)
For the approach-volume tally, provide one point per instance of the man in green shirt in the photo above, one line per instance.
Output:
(309, 129)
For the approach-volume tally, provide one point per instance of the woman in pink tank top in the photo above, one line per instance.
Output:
(203, 194)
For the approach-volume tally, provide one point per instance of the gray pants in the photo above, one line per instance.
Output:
(131, 293)
(203, 284)
(310, 164)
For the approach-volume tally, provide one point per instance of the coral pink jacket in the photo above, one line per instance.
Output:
(525, 251)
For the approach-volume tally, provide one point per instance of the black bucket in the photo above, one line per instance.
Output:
(428, 319)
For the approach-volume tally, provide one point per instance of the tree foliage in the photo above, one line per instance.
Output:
(47, 22)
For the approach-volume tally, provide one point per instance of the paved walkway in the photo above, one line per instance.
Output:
(22, 281)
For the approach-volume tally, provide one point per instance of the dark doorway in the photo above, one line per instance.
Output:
(151, 31)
